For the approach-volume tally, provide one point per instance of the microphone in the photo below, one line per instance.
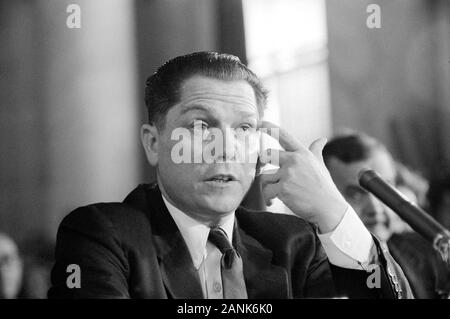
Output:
(416, 217)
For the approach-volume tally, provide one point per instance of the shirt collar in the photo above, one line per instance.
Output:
(195, 234)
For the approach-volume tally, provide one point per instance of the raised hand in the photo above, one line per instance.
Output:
(303, 182)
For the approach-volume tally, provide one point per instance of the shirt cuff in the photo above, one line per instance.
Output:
(350, 244)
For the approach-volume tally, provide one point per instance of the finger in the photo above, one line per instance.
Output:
(274, 156)
(269, 177)
(270, 156)
(270, 191)
(317, 146)
(286, 140)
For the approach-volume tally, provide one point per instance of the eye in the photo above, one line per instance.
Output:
(246, 127)
(199, 125)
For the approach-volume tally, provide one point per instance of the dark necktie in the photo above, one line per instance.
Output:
(230, 265)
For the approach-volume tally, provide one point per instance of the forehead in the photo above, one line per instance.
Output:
(215, 92)
(347, 173)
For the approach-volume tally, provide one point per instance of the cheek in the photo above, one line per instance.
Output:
(172, 170)
(247, 148)
(357, 206)
(250, 171)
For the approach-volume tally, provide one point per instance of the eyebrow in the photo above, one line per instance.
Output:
(199, 107)
(195, 107)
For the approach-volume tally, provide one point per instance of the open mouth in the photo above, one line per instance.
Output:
(222, 178)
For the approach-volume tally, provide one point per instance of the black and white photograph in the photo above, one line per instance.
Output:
(225, 149)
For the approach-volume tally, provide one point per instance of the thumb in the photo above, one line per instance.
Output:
(317, 146)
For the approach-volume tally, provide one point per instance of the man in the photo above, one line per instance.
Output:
(187, 237)
(345, 156)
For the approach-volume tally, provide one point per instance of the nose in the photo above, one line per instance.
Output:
(226, 150)
(373, 209)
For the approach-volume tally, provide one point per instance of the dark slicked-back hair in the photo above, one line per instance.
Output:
(351, 148)
(162, 89)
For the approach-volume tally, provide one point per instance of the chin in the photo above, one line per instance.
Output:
(223, 204)
(381, 233)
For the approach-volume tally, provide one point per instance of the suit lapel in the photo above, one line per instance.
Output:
(177, 270)
(262, 278)
(178, 273)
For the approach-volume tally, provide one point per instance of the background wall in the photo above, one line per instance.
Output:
(393, 82)
(68, 111)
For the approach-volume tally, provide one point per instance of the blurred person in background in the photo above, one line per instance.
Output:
(439, 199)
(345, 156)
(11, 268)
(414, 187)
(412, 184)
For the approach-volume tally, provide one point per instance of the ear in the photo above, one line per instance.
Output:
(150, 139)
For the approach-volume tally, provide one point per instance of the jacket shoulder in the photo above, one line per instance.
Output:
(132, 213)
(109, 214)
(118, 226)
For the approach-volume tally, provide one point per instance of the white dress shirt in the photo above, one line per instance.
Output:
(349, 245)
(205, 256)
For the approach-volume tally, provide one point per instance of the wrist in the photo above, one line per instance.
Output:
(329, 217)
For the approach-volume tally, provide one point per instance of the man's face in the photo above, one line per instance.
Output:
(208, 191)
(373, 213)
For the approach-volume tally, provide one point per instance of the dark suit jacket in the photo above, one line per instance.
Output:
(135, 250)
